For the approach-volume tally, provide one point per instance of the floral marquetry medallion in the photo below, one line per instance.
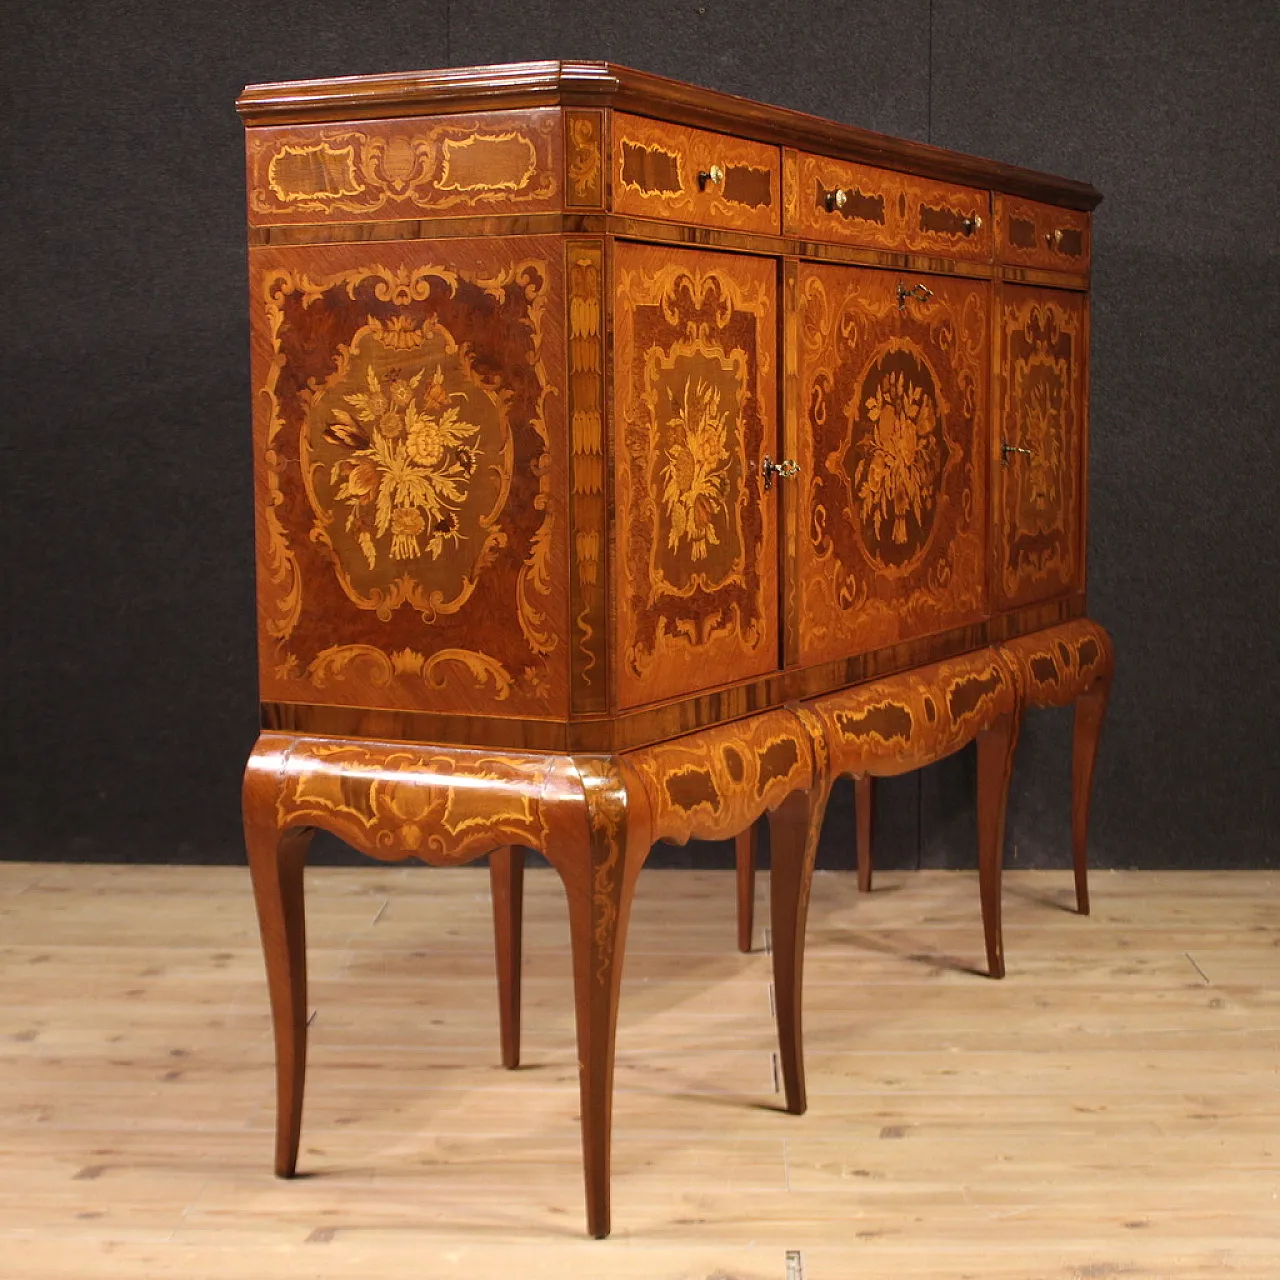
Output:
(410, 460)
(892, 385)
(694, 383)
(1038, 501)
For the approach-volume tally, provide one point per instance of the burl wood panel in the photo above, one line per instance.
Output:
(1037, 458)
(656, 168)
(410, 463)
(695, 409)
(1030, 234)
(902, 722)
(892, 408)
(494, 162)
(837, 200)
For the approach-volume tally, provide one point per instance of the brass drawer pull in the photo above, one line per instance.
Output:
(1053, 239)
(713, 176)
(1006, 449)
(836, 199)
(971, 224)
(784, 469)
(917, 291)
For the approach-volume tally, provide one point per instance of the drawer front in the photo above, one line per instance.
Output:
(454, 166)
(695, 400)
(690, 175)
(891, 440)
(848, 203)
(1041, 235)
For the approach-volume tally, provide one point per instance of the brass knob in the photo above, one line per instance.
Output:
(1054, 241)
(917, 291)
(971, 224)
(1006, 449)
(837, 199)
(784, 469)
(713, 176)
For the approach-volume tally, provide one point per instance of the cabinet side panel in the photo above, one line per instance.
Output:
(410, 454)
(695, 386)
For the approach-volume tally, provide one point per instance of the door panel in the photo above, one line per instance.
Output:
(696, 552)
(410, 468)
(1037, 454)
(892, 385)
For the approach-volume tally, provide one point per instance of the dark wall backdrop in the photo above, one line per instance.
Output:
(130, 683)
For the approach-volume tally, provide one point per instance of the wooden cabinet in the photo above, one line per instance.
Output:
(628, 459)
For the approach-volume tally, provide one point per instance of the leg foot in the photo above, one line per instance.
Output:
(506, 887)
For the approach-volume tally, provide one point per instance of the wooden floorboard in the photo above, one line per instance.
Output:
(1111, 1109)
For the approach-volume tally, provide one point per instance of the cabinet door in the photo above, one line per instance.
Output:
(410, 461)
(892, 374)
(1037, 450)
(695, 380)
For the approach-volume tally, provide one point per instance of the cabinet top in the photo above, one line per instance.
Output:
(605, 84)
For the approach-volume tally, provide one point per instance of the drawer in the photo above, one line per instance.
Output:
(1041, 235)
(847, 203)
(691, 175)
(455, 166)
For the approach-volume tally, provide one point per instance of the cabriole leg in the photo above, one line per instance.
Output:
(598, 852)
(995, 767)
(276, 862)
(506, 887)
(746, 847)
(864, 811)
(794, 827)
(1091, 710)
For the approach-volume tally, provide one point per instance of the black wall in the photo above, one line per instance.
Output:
(129, 680)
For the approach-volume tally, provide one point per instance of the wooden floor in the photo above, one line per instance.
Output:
(1111, 1109)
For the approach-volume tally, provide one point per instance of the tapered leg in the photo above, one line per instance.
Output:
(746, 847)
(506, 887)
(995, 767)
(276, 861)
(1091, 710)
(793, 846)
(598, 854)
(864, 811)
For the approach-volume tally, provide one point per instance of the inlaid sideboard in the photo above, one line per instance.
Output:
(631, 459)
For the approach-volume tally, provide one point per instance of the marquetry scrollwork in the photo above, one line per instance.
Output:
(713, 784)
(901, 722)
(410, 478)
(892, 398)
(1057, 665)
(491, 163)
(394, 801)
